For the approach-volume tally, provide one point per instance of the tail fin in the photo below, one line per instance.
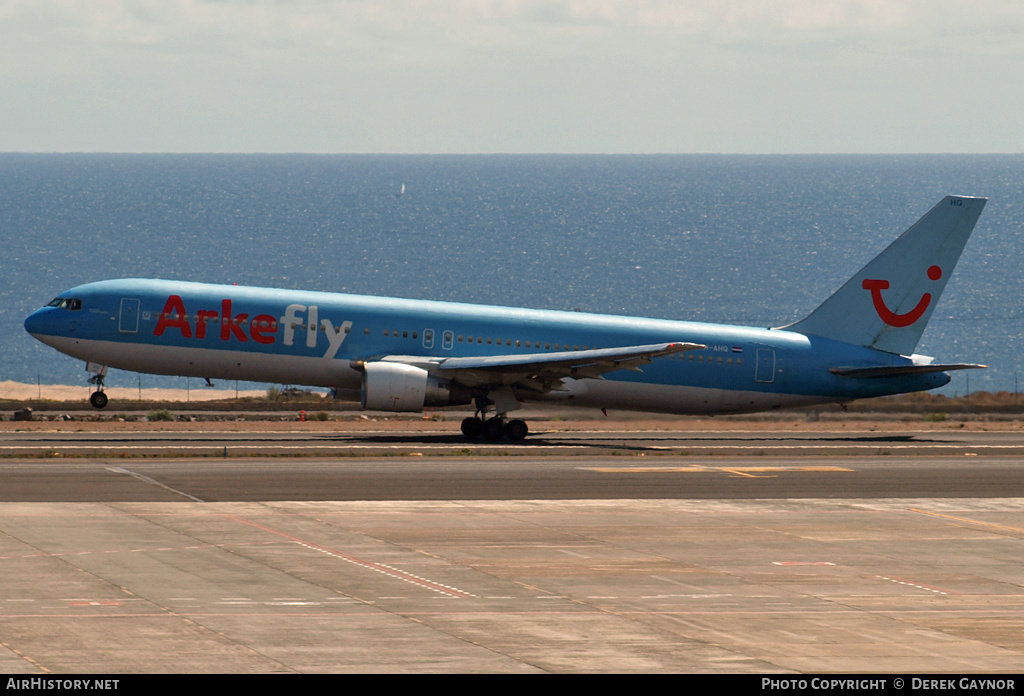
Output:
(887, 305)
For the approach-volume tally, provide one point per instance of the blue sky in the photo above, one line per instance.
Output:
(479, 76)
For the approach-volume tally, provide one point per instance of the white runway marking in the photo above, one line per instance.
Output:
(154, 482)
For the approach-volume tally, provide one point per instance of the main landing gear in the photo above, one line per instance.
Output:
(494, 429)
(497, 427)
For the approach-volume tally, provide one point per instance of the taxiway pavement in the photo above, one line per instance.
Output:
(629, 559)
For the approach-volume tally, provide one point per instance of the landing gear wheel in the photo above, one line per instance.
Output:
(98, 399)
(494, 429)
(516, 430)
(472, 428)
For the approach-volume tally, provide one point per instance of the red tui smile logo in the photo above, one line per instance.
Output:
(887, 315)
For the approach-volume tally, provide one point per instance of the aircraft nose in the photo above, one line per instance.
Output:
(36, 322)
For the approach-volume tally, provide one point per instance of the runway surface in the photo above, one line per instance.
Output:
(425, 440)
(625, 558)
(251, 479)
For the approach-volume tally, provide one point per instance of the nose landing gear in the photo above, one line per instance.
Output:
(97, 399)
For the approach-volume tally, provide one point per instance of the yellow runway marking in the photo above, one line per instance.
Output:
(968, 520)
(739, 470)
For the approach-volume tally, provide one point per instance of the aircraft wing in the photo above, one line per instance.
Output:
(542, 372)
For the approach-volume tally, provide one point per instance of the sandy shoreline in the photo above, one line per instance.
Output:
(18, 391)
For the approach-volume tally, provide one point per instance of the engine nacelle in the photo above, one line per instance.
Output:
(390, 386)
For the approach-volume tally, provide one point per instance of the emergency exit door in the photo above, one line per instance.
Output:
(765, 371)
(129, 322)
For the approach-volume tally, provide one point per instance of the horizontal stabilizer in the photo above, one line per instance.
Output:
(899, 370)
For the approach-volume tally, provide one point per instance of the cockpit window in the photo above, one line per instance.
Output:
(70, 303)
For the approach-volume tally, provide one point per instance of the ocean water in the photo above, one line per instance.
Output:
(755, 240)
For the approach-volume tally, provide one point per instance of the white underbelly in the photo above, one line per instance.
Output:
(205, 362)
(666, 398)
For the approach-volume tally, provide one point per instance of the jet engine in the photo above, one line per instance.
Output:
(389, 386)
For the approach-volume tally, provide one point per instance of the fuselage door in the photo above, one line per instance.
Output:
(129, 322)
(765, 370)
(428, 338)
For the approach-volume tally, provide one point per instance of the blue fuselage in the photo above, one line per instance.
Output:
(314, 338)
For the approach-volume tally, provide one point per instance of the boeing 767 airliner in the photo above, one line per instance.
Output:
(405, 355)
